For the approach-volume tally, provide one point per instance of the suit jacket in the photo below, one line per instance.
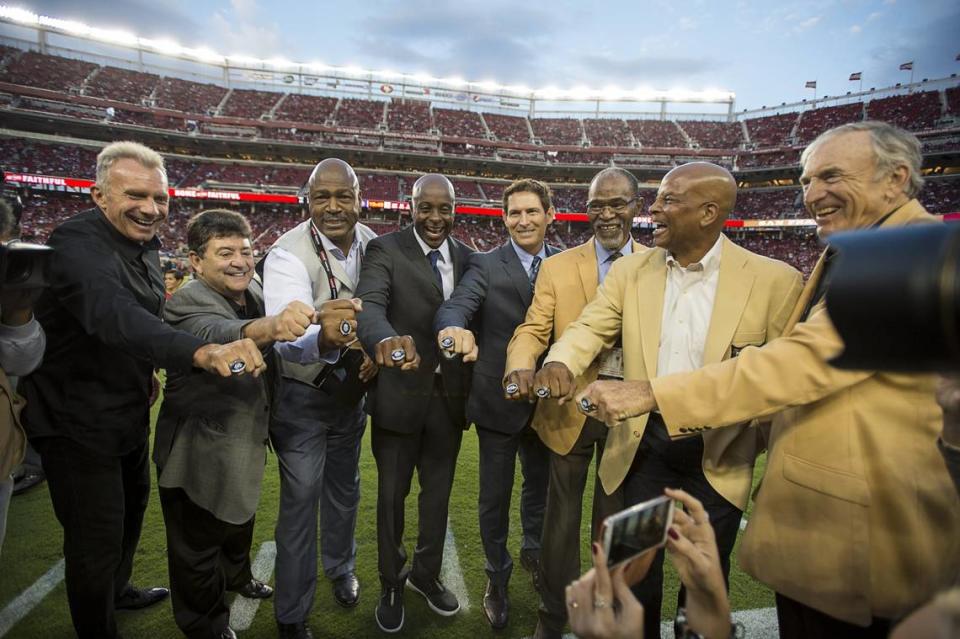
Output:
(755, 297)
(491, 299)
(212, 431)
(856, 515)
(567, 281)
(400, 297)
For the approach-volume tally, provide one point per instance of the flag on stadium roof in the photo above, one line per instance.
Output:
(907, 66)
(811, 84)
(856, 76)
(958, 57)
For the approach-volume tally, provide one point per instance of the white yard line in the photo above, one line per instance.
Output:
(450, 573)
(29, 598)
(243, 610)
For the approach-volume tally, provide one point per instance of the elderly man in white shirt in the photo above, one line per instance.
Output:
(318, 417)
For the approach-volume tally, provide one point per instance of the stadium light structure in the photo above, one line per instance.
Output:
(207, 55)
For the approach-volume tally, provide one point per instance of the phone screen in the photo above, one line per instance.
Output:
(637, 529)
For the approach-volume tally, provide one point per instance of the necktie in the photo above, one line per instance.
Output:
(434, 256)
(534, 271)
(616, 256)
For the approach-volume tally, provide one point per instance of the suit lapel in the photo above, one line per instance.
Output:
(414, 253)
(587, 267)
(651, 283)
(336, 267)
(515, 273)
(808, 291)
(733, 288)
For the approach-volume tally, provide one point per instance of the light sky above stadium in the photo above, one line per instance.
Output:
(764, 51)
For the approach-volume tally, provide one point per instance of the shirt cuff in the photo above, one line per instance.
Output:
(20, 333)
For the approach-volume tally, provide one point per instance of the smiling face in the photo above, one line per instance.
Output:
(134, 199)
(334, 200)
(226, 265)
(611, 207)
(433, 206)
(526, 220)
(842, 188)
(677, 214)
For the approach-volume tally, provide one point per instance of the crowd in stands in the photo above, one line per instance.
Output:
(914, 112)
(657, 133)
(457, 123)
(816, 121)
(790, 157)
(361, 114)
(557, 130)
(47, 72)
(187, 96)
(772, 130)
(508, 128)
(296, 107)
(714, 135)
(112, 83)
(249, 104)
(608, 132)
(409, 116)
(767, 203)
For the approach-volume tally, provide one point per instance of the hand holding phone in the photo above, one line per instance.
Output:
(637, 529)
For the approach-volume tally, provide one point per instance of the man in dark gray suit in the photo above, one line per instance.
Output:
(210, 444)
(418, 397)
(492, 298)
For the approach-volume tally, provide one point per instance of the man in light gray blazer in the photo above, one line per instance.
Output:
(210, 444)
(319, 418)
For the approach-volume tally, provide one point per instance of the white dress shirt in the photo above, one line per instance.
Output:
(21, 347)
(687, 309)
(290, 281)
(444, 264)
(526, 259)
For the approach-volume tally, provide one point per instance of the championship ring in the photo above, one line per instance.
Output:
(447, 342)
(512, 388)
(587, 406)
(345, 328)
(543, 392)
(237, 367)
(398, 355)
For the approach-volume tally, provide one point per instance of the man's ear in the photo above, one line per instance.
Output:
(99, 197)
(897, 180)
(710, 213)
(195, 261)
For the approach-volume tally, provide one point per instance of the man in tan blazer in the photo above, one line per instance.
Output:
(566, 282)
(695, 299)
(856, 520)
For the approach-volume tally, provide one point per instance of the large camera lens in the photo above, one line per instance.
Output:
(894, 297)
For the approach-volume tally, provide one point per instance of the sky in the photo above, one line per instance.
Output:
(763, 51)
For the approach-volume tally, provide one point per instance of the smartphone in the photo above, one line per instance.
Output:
(637, 529)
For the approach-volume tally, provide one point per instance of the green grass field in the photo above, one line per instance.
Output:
(34, 538)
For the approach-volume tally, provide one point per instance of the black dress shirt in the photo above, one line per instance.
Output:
(101, 316)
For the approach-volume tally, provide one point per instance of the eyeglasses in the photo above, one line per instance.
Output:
(617, 206)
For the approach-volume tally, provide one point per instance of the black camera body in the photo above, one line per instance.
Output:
(24, 266)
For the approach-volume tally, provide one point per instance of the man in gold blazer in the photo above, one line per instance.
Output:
(566, 282)
(856, 520)
(695, 299)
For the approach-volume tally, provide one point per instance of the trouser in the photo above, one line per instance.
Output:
(432, 451)
(206, 558)
(317, 442)
(560, 551)
(661, 463)
(6, 492)
(799, 621)
(99, 500)
(498, 455)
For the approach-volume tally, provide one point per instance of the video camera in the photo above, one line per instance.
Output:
(22, 265)
(894, 297)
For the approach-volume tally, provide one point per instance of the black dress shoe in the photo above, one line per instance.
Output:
(135, 598)
(254, 589)
(530, 561)
(346, 590)
(496, 606)
(294, 630)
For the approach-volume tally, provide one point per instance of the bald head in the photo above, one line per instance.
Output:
(710, 182)
(433, 207)
(334, 169)
(692, 204)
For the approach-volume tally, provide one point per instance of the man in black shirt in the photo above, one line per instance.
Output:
(89, 410)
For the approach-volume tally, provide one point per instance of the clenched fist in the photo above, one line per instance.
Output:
(461, 342)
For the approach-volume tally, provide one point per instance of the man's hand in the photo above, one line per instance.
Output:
(399, 351)
(217, 358)
(600, 604)
(292, 322)
(17, 305)
(464, 343)
(613, 401)
(518, 385)
(335, 317)
(557, 379)
(368, 369)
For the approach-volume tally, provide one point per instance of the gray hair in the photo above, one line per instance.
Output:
(892, 147)
(127, 150)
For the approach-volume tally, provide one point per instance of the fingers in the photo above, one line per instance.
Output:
(338, 320)
(454, 340)
(398, 352)
(690, 503)
(554, 380)
(473, 354)
(518, 384)
(602, 590)
(631, 610)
